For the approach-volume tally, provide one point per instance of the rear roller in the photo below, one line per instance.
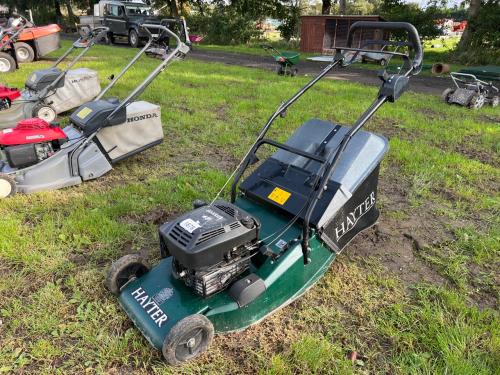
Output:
(8, 186)
(188, 339)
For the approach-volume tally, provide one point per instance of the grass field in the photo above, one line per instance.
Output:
(417, 294)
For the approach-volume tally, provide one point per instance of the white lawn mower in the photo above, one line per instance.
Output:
(51, 91)
(38, 156)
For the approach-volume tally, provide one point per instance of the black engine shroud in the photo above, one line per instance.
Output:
(207, 235)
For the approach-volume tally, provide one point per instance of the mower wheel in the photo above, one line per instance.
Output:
(24, 52)
(7, 63)
(363, 61)
(446, 95)
(495, 101)
(8, 186)
(294, 73)
(382, 62)
(188, 339)
(45, 112)
(133, 39)
(126, 269)
(477, 101)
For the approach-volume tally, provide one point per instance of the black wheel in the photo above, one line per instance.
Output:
(188, 339)
(7, 63)
(8, 186)
(294, 73)
(24, 52)
(363, 61)
(446, 95)
(45, 112)
(280, 71)
(133, 39)
(110, 38)
(477, 101)
(495, 101)
(382, 62)
(126, 269)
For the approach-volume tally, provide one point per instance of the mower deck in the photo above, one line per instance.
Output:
(284, 280)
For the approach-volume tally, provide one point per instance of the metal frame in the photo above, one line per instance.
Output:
(329, 165)
(481, 84)
(13, 34)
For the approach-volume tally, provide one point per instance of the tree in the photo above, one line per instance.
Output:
(465, 41)
(359, 7)
(327, 7)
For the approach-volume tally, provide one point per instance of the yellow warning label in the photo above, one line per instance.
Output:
(33, 78)
(84, 113)
(279, 196)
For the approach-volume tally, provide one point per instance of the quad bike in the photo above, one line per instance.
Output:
(471, 93)
(8, 36)
(51, 91)
(228, 265)
(38, 156)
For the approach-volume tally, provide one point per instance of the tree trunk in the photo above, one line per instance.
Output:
(173, 5)
(200, 6)
(87, 5)
(342, 7)
(465, 41)
(58, 9)
(71, 16)
(327, 7)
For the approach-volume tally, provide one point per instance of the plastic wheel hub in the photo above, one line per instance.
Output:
(46, 113)
(4, 65)
(5, 188)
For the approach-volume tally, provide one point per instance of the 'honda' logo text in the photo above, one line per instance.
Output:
(143, 117)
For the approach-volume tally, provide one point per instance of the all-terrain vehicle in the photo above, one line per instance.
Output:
(8, 36)
(470, 92)
(38, 156)
(51, 91)
(228, 265)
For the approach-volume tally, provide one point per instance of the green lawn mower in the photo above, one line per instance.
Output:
(228, 265)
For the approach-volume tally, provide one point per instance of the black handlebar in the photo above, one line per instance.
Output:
(412, 31)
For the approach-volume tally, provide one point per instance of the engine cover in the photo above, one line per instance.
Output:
(41, 78)
(10, 93)
(92, 115)
(203, 237)
(33, 130)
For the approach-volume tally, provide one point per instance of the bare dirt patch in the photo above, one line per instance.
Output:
(158, 216)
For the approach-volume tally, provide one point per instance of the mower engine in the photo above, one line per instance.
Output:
(30, 142)
(210, 246)
(7, 95)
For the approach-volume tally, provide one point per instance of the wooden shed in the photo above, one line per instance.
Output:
(321, 32)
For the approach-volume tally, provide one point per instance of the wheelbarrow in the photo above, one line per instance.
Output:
(284, 60)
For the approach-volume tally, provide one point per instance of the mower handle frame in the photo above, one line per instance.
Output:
(14, 34)
(455, 79)
(329, 165)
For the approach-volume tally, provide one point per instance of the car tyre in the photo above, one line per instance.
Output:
(133, 39)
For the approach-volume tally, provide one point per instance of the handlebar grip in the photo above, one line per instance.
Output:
(412, 31)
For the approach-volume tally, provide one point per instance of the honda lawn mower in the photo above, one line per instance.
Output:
(470, 92)
(8, 36)
(228, 265)
(51, 91)
(37, 155)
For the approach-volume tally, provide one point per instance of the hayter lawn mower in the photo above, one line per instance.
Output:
(38, 156)
(228, 265)
(8, 36)
(51, 91)
(470, 92)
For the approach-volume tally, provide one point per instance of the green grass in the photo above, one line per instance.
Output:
(57, 315)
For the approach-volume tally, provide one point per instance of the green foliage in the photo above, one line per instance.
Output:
(227, 26)
(292, 22)
(484, 35)
(422, 19)
(359, 7)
